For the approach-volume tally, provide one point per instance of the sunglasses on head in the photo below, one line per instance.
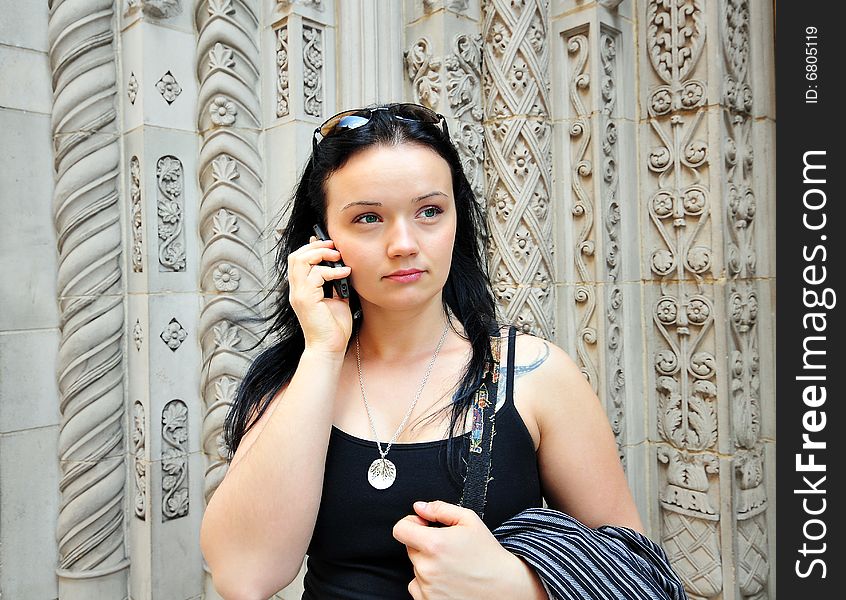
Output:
(353, 119)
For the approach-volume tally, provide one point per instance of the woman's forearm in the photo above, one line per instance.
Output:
(259, 521)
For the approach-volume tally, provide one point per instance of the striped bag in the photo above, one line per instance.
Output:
(574, 561)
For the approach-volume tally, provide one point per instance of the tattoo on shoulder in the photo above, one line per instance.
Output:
(520, 370)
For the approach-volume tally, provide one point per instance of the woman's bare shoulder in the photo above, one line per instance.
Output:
(541, 359)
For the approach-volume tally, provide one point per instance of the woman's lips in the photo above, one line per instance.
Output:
(405, 276)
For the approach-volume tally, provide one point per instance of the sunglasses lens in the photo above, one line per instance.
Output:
(345, 120)
(351, 122)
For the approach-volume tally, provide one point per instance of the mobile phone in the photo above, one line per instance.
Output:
(342, 286)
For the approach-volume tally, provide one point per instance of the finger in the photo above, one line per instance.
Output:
(315, 255)
(408, 531)
(312, 245)
(320, 274)
(300, 263)
(443, 512)
(415, 590)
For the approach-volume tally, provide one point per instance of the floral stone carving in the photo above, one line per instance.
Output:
(173, 335)
(168, 87)
(174, 460)
(140, 464)
(135, 215)
(169, 174)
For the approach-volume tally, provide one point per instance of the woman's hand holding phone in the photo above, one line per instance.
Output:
(326, 322)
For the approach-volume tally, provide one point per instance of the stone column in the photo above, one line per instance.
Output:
(86, 153)
(518, 161)
(593, 83)
(158, 95)
(231, 217)
(369, 53)
(700, 248)
(443, 68)
(300, 41)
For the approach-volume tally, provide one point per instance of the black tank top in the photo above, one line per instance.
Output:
(352, 554)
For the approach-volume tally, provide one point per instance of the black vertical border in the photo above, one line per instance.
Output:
(803, 127)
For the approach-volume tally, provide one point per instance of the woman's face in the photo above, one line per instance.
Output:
(391, 213)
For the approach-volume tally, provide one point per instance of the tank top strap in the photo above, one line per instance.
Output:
(505, 393)
(509, 365)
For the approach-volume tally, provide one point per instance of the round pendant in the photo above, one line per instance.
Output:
(381, 473)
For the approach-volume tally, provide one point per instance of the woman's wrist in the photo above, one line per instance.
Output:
(328, 357)
(525, 582)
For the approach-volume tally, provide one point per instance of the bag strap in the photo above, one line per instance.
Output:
(484, 426)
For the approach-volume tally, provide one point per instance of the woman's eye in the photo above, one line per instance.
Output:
(430, 212)
(368, 219)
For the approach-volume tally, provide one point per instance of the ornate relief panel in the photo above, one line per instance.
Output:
(583, 209)
(464, 93)
(170, 207)
(135, 215)
(283, 92)
(423, 69)
(174, 460)
(140, 460)
(613, 211)
(313, 74)
(518, 160)
(742, 302)
(684, 361)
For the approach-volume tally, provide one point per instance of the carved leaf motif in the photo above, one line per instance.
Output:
(668, 21)
(224, 169)
(173, 462)
(178, 503)
(170, 212)
(670, 415)
(226, 336)
(221, 57)
(423, 71)
(169, 169)
(138, 425)
(221, 8)
(225, 222)
(463, 74)
(225, 388)
(175, 415)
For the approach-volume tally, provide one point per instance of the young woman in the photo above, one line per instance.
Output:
(350, 433)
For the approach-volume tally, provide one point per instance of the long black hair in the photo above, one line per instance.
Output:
(467, 292)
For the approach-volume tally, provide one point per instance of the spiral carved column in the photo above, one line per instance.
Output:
(231, 217)
(92, 556)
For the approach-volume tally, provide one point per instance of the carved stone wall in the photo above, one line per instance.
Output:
(620, 149)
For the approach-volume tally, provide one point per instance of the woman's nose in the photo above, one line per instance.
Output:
(402, 240)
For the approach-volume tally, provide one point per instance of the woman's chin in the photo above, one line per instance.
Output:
(400, 300)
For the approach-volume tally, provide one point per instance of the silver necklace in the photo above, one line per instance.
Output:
(383, 472)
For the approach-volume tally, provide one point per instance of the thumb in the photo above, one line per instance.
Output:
(442, 512)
